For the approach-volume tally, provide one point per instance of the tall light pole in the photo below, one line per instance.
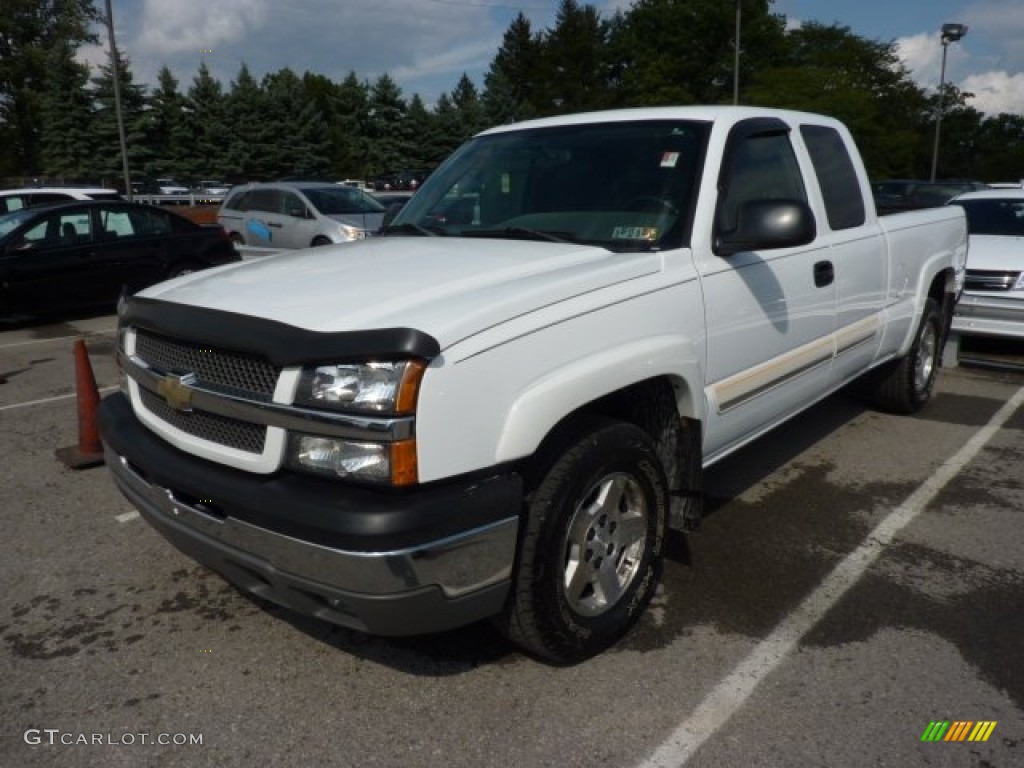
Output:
(950, 34)
(115, 69)
(736, 59)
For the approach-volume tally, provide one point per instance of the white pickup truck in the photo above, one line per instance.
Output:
(499, 406)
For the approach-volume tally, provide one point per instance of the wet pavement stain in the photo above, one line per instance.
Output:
(980, 610)
(49, 627)
(964, 410)
(134, 702)
(754, 562)
(6, 376)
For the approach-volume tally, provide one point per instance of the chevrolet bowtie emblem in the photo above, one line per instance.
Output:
(177, 391)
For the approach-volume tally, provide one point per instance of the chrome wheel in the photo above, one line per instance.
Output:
(592, 550)
(924, 365)
(604, 544)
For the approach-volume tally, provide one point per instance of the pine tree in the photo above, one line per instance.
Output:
(467, 101)
(169, 137)
(352, 118)
(512, 85)
(573, 56)
(207, 127)
(420, 127)
(245, 152)
(448, 132)
(31, 31)
(65, 117)
(295, 136)
(105, 161)
(389, 150)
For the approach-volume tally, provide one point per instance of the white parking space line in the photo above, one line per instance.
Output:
(53, 399)
(127, 517)
(103, 332)
(733, 691)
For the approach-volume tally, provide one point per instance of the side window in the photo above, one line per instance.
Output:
(11, 203)
(48, 229)
(844, 202)
(157, 222)
(115, 223)
(238, 201)
(75, 227)
(265, 200)
(292, 205)
(57, 229)
(761, 167)
(42, 198)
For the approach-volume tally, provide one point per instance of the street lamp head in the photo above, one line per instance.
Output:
(953, 32)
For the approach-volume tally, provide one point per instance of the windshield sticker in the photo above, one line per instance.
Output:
(669, 159)
(635, 233)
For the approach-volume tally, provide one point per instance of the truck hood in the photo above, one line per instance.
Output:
(1000, 253)
(450, 288)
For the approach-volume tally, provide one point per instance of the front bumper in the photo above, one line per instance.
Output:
(388, 563)
(984, 314)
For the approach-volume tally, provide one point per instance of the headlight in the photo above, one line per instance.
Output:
(382, 463)
(351, 233)
(1019, 285)
(389, 387)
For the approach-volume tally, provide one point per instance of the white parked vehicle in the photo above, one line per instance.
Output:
(27, 197)
(213, 188)
(357, 183)
(500, 406)
(298, 214)
(169, 186)
(993, 300)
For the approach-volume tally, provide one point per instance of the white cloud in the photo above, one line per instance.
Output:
(996, 92)
(1001, 23)
(197, 25)
(93, 55)
(456, 59)
(922, 55)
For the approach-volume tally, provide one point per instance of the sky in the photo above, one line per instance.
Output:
(426, 45)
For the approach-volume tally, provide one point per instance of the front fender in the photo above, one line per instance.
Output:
(552, 397)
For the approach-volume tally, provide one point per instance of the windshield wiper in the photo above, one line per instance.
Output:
(523, 233)
(409, 227)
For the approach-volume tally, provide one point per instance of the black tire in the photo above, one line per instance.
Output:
(591, 551)
(237, 239)
(320, 240)
(905, 385)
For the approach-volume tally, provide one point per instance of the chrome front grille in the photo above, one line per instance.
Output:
(990, 280)
(222, 430)
(229, 372)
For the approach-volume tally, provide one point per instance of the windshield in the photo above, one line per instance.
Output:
(341, 199)
(624, 186)
(994, 217)
(11, 221)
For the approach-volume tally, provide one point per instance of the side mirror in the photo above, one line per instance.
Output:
(768, 224)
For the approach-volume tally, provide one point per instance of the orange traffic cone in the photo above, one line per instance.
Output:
(89, 451)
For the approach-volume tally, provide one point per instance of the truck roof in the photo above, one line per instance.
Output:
(730, 114)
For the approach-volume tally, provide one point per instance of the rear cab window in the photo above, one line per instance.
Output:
(836, 175)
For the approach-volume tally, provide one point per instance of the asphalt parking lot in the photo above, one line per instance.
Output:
(858, 577)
